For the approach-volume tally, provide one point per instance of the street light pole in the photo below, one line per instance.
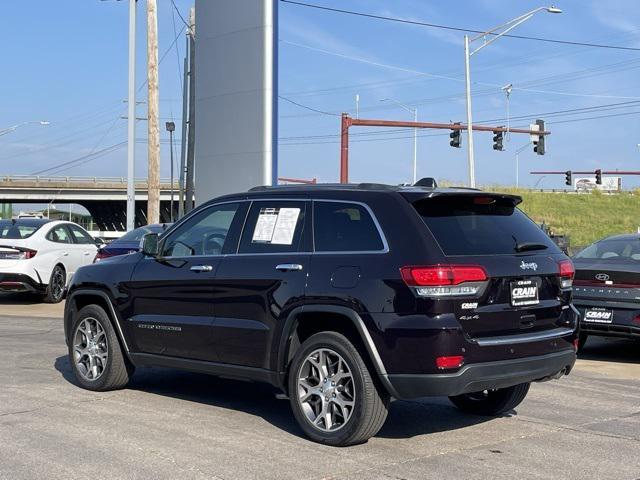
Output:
(171, 126)
(494, 33)
(414, 111)
(467, 79)
(131, 136)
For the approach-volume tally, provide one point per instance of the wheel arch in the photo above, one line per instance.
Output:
(306, 320)
(79, 299)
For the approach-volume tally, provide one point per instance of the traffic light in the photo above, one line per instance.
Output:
(567, 177)
(599, 177)
(497, 141)
(455, 137)
(538, 140)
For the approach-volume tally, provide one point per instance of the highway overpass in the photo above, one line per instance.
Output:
(105, 198)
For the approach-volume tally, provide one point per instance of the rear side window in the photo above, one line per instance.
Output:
(469, 225)
(613, 250)
(15, 231)
(59, 234)
(344, 227)
(274, 227)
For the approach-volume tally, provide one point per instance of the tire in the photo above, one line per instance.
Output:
(109, 369)
(364, 404)
(491, 402)
(582, 339)
(57, 284)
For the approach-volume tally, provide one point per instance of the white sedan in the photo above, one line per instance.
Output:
(40, 255)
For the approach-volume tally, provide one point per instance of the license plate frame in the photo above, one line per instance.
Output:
(524, 293)
(598, 315)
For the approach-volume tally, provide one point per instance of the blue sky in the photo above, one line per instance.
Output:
(66, 62)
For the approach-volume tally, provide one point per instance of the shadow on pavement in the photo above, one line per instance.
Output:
(20, 299)
(406, 418)
(605, 349)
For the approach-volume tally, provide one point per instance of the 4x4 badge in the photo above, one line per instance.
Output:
(529, 266)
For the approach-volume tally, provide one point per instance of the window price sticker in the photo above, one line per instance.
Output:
(276, 226)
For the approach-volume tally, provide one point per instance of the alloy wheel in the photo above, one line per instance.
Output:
(57, 284)
(90, 349)
(326, 390)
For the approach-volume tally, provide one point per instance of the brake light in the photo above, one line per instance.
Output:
(447, 363)
(23, 254)
(102, 254)
(567, 272)
(444, 280)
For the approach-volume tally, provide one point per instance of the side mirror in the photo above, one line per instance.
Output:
(150, 244)
(99, 242)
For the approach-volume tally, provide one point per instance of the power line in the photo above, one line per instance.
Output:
(104, 151)
(307, 107)
(175, 32)
(186, 24)
(457, 29)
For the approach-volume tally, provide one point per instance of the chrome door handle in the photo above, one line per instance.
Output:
(289, 267)
(201, 268)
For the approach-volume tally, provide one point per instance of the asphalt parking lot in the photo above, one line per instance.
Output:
(173, 425)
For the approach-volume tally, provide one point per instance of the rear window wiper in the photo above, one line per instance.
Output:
(528, 246)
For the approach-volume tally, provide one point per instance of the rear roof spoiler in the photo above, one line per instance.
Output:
(415, 196)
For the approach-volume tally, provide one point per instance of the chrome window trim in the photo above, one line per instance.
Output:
(383, 238)
(251, 201)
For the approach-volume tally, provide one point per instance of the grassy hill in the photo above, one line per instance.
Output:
(584, 217)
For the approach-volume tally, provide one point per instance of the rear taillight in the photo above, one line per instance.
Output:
(567, 272)
(101, 255)
(26, 254)
(444, 280)
(447, 363)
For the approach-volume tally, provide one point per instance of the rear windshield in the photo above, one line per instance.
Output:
(14, 231)
(469, 225)
(613, 251)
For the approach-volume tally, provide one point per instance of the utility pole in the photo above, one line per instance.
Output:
(153, 202)
(183, 143)
(192, 112)
(131, 136)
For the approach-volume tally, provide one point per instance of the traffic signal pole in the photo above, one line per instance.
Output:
(348, 122)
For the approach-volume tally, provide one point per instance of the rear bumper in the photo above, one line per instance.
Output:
(623, 323)
(19, 282)
(482, 376)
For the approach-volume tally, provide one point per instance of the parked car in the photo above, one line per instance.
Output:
(607, 288)
(39, 255)
(342, 297)
(129, 242)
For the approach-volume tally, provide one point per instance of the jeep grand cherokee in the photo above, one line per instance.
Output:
(341, 296)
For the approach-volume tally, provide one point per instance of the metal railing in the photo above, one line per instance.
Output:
(60, 179)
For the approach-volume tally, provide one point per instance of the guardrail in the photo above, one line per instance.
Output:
(46, 179)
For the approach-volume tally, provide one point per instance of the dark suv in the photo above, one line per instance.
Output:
(340, 296)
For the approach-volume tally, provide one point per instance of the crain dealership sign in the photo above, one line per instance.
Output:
(610, 184)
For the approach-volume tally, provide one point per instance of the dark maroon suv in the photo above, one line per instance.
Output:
(341, 296)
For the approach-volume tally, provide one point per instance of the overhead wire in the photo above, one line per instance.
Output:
(458, 29)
